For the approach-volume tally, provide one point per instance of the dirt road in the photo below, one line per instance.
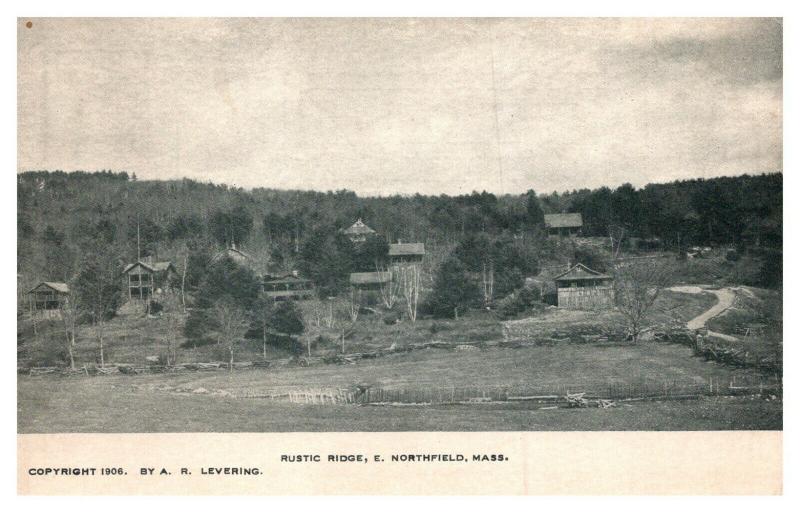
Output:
(725, 298)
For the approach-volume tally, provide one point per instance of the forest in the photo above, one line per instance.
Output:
(82, 228)
(62, 216)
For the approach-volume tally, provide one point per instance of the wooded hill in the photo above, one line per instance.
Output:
(61, 216)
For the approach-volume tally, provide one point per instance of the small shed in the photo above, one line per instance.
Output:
(288, 287)
(143, 279)
(563, 223)
(406, 252)
(583, 288)
(48, 296)
(358, 232)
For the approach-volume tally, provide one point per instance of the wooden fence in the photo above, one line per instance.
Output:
(554, 394)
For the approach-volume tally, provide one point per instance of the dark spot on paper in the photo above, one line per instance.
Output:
(29, 24)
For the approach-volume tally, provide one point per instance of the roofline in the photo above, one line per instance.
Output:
(597, 275)
(47, 284)
(130, 266)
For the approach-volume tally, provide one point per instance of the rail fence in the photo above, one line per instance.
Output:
(552, 394)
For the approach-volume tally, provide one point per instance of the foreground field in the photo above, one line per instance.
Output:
(217, 401)
(579, 357)
(78, 407)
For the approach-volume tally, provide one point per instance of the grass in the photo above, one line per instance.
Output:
(756, 320)
(132, 337)
(81, 406)
(582, 366)
(165, 402)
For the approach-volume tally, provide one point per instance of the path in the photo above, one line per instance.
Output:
(725, 298)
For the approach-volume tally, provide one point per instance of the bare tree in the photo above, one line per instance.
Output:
(232, 325)
(69, 318)
(410, 279)
(173, 328)
(344, 315)
(354, 304)
(636, 289)
(487, 277)
(183, 277)
(389, 290)
(616, 234)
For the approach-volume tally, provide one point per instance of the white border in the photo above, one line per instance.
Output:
(406, 8)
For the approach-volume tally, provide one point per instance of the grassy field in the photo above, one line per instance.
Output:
(131, 337)
(55, 406)
(171, 402)
(217, 401)
(755, 319)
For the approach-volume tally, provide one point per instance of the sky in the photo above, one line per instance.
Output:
(384, 106)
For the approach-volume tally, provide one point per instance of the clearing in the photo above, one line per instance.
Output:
(225, 402)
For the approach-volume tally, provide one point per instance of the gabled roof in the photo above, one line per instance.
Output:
(407, 249)
(285, 279)
(581, 272)
(359, 228)
(563, 220)
(233, 253)
(370, 277)
(58, 287)
(158, 266)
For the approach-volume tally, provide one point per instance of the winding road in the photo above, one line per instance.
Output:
(725, 298)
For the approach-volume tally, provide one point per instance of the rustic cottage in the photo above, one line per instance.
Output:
(289, 287)
(48, 296)
(400, 253)
(583, 288)
(563, 224)
(358, 232)
(143, 279)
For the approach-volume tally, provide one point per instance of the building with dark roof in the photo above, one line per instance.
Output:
(563, 223)
(237, 255)
(406, 252)
(145, 278)
(358, 232)
(48, 296)
(583, 288)
(288, 287)
(370, 280)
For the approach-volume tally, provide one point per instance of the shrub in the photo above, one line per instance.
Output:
(771, 273)
(522, 300)
(288, 343)
(391, 318)
(220, 353)
(453, 291)
(197, 329)
(287, 319)
(439, 327)
(732, 255)
(48, 352)
(155, 307)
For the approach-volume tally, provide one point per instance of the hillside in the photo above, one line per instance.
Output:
(59, 214)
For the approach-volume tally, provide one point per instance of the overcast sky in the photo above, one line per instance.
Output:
(388, 106)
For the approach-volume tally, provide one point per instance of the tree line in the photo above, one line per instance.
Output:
(63, 217)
